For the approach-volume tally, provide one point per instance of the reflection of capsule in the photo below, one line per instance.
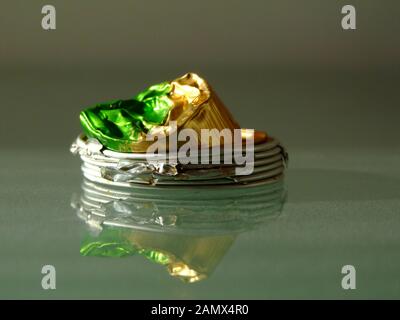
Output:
(187, 233)
(188, 257)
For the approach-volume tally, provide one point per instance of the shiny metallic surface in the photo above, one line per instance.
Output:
(122, 125)
(105, 166)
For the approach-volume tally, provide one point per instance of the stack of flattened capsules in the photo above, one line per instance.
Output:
(124, 169)
(119, 135)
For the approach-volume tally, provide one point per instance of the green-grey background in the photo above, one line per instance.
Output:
(287, 67)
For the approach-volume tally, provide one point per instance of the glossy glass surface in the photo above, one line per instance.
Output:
(342, 206)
